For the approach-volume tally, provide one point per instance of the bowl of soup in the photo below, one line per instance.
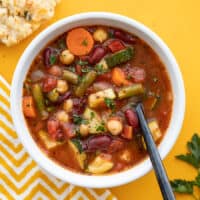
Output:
(74, 94)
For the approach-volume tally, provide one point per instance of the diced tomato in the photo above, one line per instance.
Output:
(115, 46)
(53, 127)
(29, 107)
(49, 84)
(104, 77)
(78, 70)
(127, 132)
(138, 74)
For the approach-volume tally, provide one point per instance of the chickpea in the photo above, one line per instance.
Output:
(66, 57)
(68, 105)
(100, 35)
(62, 116)
(114, 126)
(84, 129)
(62, 86)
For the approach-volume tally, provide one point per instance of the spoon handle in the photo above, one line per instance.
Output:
(159, 169)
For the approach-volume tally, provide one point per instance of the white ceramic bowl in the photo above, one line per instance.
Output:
(97, 18)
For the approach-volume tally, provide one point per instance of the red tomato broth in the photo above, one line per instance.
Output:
(156, 82)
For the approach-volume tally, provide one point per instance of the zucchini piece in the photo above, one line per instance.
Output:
(86, 81)
(97, 99)
(95, 123)
(70, 77)
(53, 95)
(155, 130)
(120, 57)
(100, 165)
(47, 141)
(39, 99)
(129, 91)
(80, 156)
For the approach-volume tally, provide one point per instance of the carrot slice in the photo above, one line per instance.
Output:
(118, 77)
(28, 107)
(79, 41)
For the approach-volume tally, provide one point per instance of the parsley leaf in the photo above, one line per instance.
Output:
(101, 127)
(78, 144)
(86, 69)
(52, 59)
(182, 186)
(197, 180)
(82, 63)
(79, 120)
(109, 103)
(193, 157)
(84, 43)
(92, 115)
(71, 69)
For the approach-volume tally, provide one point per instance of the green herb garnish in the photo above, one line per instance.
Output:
(78, 144)
(86, 69)
(71, 69)
(82, 63)
(84, 43)
(52, 59)
(109, 103)
(92, 115)
(78, 120)
(101, 127)
(192, 158)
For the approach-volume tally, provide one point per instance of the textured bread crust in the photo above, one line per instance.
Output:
(19, 18)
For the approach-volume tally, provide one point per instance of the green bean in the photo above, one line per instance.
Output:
(70, 76)
(53, 95)
(39, 99)
(129, 91)
(86, 81)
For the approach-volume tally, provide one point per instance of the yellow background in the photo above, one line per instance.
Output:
(177, 22)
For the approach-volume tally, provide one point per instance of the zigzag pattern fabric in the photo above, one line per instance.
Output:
(20, 177)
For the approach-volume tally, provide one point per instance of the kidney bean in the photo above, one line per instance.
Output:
(63, 98)
(79, 105)
(99, 142)
(132, 118)
(48, 52)
(116, 145)
(49, 83)
(125, 37)
(97, 54)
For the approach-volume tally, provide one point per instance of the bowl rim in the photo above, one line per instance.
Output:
(101, 181)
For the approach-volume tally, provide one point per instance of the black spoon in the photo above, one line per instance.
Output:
(159, 169)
